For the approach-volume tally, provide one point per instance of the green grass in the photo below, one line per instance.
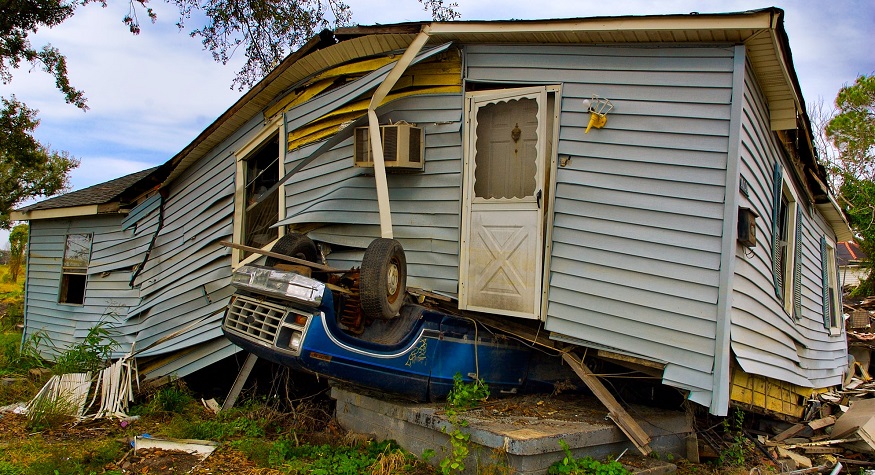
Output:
(293, 442)
(11, 300)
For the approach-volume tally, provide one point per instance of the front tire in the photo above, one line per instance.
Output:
(383, 279)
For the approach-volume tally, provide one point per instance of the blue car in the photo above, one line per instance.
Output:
(293, 320)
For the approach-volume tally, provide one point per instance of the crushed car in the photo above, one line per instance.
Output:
(357, 326)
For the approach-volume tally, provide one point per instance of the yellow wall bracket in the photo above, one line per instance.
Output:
(596, 120)
(598, 109)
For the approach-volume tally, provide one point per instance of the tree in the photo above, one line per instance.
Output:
(27, 168)
(17, 244)
(266, 30)
(852, 131)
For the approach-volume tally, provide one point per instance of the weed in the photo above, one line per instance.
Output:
(378, 458)
(91, 354)
(257, 450)
(174, 398)
(78, 459)
(570, 465)
(735, 454)
(463, 396)
(390, 461)
(220, 429)
(7, 468)
(19, 358)
(46, 412)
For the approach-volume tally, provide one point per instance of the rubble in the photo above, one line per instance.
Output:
(838, 429)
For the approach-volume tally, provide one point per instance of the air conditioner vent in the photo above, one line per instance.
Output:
(402, 147)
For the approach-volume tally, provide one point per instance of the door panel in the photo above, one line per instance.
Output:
(502, 241)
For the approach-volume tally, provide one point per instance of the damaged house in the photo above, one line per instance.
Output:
(644, 187)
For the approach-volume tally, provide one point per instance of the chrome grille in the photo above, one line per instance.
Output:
(256, 318)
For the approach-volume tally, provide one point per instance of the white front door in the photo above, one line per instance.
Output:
(503, 202)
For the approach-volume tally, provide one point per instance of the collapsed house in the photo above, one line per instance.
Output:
(642, 186)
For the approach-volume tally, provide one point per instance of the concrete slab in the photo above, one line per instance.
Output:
(521, 433)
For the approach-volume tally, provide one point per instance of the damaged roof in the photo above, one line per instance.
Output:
(761, 31)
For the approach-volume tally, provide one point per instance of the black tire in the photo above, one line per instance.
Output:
(293, 245)
(383, 279)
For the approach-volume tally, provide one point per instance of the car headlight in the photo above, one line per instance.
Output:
(279, 283)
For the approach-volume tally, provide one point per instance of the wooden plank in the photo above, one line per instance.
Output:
(786, 434)
(821, 423)
(242, 376)
(824, 450)
(615, 411)
(282, 257)
(652, 368)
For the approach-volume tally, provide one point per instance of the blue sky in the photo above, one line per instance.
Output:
(152, 94)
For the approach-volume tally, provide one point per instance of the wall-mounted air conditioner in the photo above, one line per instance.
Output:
(403, 147)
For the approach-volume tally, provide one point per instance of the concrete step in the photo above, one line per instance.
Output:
(520, 432)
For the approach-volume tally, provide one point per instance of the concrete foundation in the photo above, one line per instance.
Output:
(517, 433)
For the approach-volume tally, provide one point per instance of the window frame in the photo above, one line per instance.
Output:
(831, 289)
(275, 127)
(70, 270)
(788, 290)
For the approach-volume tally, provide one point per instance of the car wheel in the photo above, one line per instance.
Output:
(383, 279)
(293, 245)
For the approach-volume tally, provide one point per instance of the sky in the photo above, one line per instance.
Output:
(150, 95)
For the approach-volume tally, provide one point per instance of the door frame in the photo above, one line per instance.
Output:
(552, 113)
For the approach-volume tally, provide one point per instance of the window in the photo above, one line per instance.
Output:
(786, 253)
(77, 253)
(832, 302)
(257, 208)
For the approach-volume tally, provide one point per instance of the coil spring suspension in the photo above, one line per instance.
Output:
(351, 310)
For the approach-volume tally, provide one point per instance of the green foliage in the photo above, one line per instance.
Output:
(46, 413)
(258, 450)
(90, 355)
(463, 396)
(17, 244)
(24, 18)
(735, 454)
(18, 357)
(27, 168)
(220, 429)
(331, 460)
(174, 398)
(466, 395)
(852, 131)
(7, 468)
(88, 458)
(571, 465)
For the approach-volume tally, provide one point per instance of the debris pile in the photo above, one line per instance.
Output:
(839, 425)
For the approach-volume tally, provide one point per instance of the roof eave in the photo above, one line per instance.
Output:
(53, 213)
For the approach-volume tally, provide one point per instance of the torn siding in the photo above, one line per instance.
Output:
(765, 338)
(425, 206)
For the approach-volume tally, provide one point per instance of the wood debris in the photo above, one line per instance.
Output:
(839, 425)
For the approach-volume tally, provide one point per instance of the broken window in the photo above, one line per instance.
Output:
(77, 253)
(258, 204)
